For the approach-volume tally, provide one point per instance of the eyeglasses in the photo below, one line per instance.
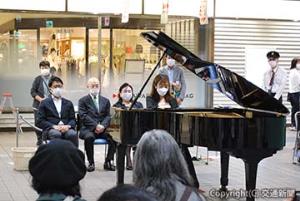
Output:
(127, 91)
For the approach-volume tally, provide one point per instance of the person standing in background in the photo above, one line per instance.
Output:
(275, 78)
(39, 91)
(176, 78)
(294, 89)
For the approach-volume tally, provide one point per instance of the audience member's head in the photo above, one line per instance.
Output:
(125, 92)
(93, 85)
(56, 84)
(126, 193)
(57, 167)
(159, 165)
(295, 63)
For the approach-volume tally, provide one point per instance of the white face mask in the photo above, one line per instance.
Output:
(57, 92)
(126, 96)
(298, 66)
(94, 91)
(170, 62)
(162, 91)
(45, 72)
(273, 64)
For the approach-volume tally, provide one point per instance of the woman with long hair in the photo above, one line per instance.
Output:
(165, 173)
(160, 95)
(125, 96)
(294, 88)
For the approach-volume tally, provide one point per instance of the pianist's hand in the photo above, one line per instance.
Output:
(179, 101)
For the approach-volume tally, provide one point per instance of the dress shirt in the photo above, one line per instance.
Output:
(57, 103)
(170, 74)
(294, 81)
(279, 81)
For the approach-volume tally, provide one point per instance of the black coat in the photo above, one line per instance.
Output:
(90, 116)
(119, 104)
(48, 115)
(37, 88)
(153, 104)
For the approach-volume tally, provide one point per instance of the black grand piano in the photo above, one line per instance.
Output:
(253, 132)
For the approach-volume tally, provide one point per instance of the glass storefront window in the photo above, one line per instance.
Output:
(18, 56)
(64, 48)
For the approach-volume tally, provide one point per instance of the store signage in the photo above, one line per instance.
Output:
(106, 21)
(49, 23)
(203, 12)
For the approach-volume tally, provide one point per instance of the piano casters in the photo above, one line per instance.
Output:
(224, 171)
(121, 150)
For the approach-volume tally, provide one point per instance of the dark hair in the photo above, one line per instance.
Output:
(126, 192)
(122, 87)
(54, 79)
(160, 79)
(44, 63)
(42, 188)
(294, 62)
(52, 50)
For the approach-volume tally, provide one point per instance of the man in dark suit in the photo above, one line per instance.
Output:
(39, 91)
(56, 115)
(94, 112)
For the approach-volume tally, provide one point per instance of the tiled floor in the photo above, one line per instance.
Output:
(274, 172)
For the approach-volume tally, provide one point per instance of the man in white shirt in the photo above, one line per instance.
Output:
(275, 78)
(56, 115)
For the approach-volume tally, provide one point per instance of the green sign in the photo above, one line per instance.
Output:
(49, 23)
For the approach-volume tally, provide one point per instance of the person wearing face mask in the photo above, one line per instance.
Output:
(176, 78)
(275, 78)
(39, 91)
(94, 113)
(160, 95)
(125, 100)
(294, 89)
(56, 115)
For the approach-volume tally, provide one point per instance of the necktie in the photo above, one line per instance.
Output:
(272, 79)
(96, 102)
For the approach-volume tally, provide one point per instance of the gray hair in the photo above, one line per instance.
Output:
(159, 165)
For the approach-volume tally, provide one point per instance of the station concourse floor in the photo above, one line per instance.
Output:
(276, 172)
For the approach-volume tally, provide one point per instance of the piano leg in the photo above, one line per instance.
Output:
(251, 172)
(188, 159)
(121, 149)
(224, 171)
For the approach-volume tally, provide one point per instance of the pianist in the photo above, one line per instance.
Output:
(160, 95)
(125, 96)
(173, 181)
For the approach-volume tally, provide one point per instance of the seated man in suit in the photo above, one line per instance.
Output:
(94, 112)
(56, 115)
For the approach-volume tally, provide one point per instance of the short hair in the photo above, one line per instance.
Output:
(54, 79)
(168, 159)
(93, 79)
(44, 63)
(294, 62)
(126, 192)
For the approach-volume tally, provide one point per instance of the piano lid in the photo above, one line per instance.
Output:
(235, 87)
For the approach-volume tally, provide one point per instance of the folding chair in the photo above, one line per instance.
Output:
(296, 152)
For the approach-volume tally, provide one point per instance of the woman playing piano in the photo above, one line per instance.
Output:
(125, 100)
(160, 96)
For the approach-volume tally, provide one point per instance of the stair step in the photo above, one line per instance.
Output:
(7, 120)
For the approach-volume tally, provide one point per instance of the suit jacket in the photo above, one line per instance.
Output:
(48, 115)
(37, 88)
(153, 104)
(177, 76)
(90, 116)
